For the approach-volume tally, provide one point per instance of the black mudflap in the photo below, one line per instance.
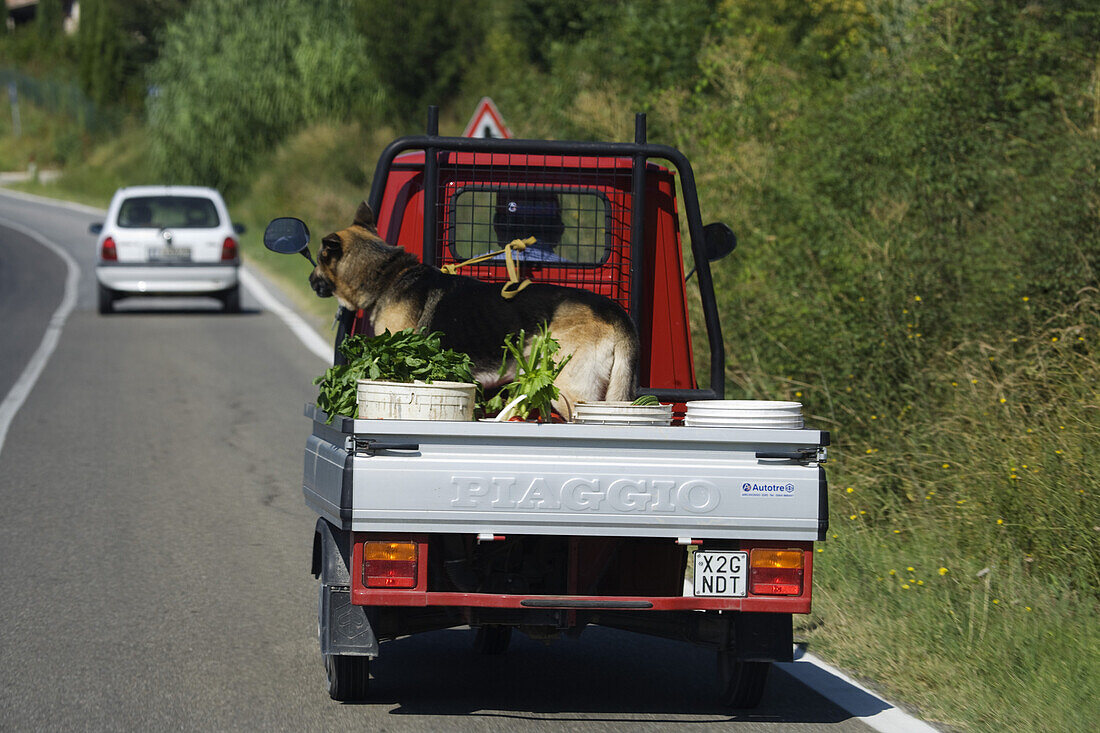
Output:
(345, 628)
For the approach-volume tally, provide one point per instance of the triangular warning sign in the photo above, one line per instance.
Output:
(486, 122)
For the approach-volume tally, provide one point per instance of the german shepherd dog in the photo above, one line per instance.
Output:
(396, 291)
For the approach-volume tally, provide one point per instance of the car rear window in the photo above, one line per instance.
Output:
(176, 212)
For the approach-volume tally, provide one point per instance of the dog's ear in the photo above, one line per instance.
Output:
(364, 217)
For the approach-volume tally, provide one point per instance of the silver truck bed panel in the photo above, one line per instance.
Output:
(566, 479)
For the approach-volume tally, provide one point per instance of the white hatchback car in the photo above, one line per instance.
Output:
(167, 240)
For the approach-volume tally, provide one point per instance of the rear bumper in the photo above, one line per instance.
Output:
(189, 279)
(423, 595)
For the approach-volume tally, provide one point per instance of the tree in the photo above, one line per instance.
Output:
(235, 76)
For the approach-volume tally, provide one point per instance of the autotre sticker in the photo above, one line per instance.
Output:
(772, 490)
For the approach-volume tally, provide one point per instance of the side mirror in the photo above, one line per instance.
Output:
(287, 235)
(239, 228)
(96, 228)
(718, 241)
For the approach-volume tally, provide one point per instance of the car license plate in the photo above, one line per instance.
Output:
(721, 573)
(170, 254)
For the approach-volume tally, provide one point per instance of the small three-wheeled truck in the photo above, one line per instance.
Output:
(702, 532)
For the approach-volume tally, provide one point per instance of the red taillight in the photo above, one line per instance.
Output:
(389, 564)
(229, 249)
(775, 572)
(108, 251)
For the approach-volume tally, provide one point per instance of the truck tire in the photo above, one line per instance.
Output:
(492, 639)
(348, 677)
(741, 684)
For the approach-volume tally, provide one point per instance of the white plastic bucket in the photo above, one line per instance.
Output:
(744, 414)
(621, 413)
(415, 401)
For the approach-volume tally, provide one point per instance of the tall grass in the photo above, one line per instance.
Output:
(964, 557)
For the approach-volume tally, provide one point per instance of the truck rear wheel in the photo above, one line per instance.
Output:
(741, 684)
(348, 677)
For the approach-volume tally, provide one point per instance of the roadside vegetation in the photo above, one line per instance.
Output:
(916, 191)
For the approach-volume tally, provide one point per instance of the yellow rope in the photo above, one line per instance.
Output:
(514, 285)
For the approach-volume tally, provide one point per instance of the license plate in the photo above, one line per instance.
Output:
(170, 254)
(721, 573)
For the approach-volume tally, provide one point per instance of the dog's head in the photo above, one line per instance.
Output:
(349, 261)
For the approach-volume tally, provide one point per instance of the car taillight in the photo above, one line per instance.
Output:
(108, 251)
(775, 572)
(389, 564)
(229, 249)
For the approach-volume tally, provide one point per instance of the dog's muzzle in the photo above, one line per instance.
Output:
(321, 285)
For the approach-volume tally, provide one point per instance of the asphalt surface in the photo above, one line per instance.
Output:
(155, 547)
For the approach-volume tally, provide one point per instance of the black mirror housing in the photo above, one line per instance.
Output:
(239, 228)
(96, 228)
(718, 240)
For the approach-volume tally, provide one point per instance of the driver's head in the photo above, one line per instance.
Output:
(521, 214)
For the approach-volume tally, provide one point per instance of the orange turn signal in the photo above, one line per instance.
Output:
(389, 551)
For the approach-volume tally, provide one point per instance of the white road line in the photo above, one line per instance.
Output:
(17, 395)
(305, 333)
(839, 688)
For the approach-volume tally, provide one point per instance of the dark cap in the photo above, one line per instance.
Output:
(521, 214)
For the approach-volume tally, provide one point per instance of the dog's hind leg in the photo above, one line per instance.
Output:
(624, 357)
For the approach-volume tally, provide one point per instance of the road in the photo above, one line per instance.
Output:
(155, 545)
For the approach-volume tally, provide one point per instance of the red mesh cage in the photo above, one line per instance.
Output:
(577, 208)
(447, 200)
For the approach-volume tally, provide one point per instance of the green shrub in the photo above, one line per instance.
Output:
(236, 76)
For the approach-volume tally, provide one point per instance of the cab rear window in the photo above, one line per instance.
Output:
(176, 212)
(570, 226)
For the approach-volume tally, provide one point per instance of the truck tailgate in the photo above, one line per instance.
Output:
(566, 479)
